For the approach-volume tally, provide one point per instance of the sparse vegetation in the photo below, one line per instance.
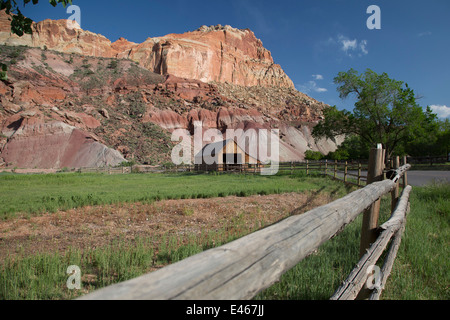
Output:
(70, 61)
(10, 55)
(113, 64)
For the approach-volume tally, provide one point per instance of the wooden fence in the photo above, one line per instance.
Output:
(244, 267)
(431, 160)
(108, 170)
(349, 172)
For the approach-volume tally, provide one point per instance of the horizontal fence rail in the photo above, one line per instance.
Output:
(108, 170)
(244, 267)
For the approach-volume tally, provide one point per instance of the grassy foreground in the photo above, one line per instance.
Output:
(420, 271)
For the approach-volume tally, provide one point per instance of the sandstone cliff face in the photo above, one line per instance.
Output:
(73, 105)
(222, 54)
(55, 35)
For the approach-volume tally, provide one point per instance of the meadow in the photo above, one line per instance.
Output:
(37, 194)
(420, 271)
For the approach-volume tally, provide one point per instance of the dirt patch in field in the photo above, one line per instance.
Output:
(93, 227)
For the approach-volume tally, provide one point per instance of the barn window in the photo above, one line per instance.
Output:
(232, 158)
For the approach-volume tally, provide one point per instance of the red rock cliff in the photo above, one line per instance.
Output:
(216, 53)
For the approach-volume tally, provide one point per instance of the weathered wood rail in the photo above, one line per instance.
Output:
(352, 286)
(244, 267)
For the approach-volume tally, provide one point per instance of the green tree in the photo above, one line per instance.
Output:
(355, 147)
(443, 138)
(434, 142)
(340, 154)
(385, 112)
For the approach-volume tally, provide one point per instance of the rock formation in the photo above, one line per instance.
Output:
(217, 53)
(75, 93)
(55, 145)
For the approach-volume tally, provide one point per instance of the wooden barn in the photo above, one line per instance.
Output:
(225, 155)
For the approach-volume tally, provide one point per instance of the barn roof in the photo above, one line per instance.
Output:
(218, 146)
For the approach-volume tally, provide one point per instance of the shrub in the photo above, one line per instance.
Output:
(137, 110)
(113, 64)
(4, 72)
(127, 163)
(340, 154)
(313, 155)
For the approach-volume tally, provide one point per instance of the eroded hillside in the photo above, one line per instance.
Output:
(124, 106)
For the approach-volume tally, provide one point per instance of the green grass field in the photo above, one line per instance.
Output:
(37, 194)
(420, 271)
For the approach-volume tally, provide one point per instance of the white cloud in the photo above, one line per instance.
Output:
(317, 76)
(423, 34)
(441, 111)
(316, 89)
(311, 86)
(363, 47)
(350, 47)
(347, 44)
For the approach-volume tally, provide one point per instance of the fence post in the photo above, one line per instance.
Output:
(307, 167)
(405, 176)
(359, 174)
(292, 167)
(345, 171)
(394, 193)
(335, 168)
(326, 167)
(371, 215)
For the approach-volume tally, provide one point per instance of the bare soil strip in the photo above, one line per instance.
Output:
(93, 227)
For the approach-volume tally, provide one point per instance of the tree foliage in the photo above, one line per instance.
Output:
(313, 155)
(385, 112)
(436, 141)
(20, 24)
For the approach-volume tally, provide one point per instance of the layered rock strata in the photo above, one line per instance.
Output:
(217, 53)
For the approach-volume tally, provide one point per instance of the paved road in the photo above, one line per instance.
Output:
(421, 178)
(418, 178)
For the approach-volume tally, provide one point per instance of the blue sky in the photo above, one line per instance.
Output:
(311, 40)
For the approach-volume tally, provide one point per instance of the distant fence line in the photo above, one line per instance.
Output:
(108, 170)
(348, 172)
